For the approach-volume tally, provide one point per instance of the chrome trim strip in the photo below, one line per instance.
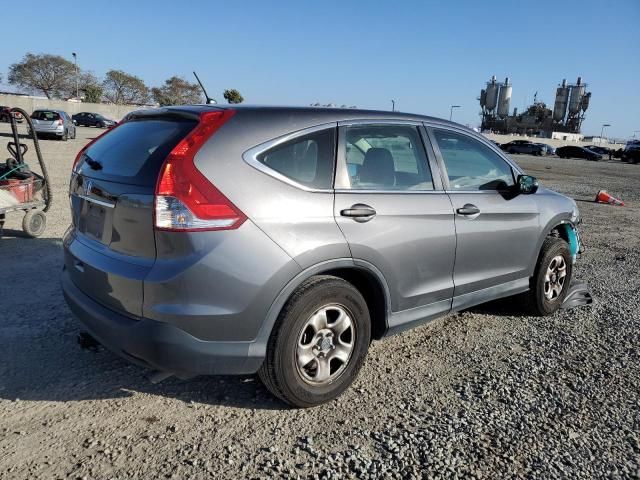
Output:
(473, 191)
(389, 192)
(102, 203)
(251, 156)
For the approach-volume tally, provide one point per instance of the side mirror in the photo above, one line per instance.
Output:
(527, 184)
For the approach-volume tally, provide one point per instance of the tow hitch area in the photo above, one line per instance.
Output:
(87, 342)
(579, 294)
(157, 377)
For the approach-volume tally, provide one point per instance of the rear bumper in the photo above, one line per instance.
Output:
(159, 345)
(49, 131)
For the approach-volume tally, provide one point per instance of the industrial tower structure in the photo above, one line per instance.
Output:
(567, 116)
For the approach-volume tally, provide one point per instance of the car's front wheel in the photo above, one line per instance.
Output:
(318, 343)
(552, 277)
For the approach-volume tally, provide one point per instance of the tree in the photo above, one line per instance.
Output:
(90, 87)
(177, 91)
(92, 93)
(53, 75)
(123, 88)
(233, 96)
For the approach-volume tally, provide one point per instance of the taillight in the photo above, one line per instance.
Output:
(84, 149)
(185, 200)
(60, 122)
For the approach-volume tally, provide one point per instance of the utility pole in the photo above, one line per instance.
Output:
(451, 111)
(75, 61)
(602, 131)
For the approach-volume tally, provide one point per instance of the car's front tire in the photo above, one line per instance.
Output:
(318, 344)
(552, 277)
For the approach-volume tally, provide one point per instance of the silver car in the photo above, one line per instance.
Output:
(55, 123)
(236, 240)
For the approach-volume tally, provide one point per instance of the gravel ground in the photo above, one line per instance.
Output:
(486, 393)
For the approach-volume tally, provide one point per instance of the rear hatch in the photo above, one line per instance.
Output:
(44, 120)
(112, 201)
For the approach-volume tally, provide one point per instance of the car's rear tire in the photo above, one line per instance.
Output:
(318, 344)
(551, 279)
(65, 136)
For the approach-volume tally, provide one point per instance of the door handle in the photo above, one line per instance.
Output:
(468, 209)
(359, 212)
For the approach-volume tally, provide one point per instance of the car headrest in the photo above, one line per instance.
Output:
(377, 167)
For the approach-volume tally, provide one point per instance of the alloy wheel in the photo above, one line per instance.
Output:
(325, 345)
(555, 277)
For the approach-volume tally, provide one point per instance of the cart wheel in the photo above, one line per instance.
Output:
(34, 223)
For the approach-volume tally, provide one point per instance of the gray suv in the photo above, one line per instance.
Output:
(215, 240)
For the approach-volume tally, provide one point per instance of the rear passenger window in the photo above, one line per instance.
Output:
(470, 164)
(386, 157)
(307, 160)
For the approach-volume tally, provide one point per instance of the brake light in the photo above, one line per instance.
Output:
(84, 149)
(185, 200)
(60, 121)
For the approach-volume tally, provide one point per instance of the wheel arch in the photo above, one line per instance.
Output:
(364, 276)
(562, 227)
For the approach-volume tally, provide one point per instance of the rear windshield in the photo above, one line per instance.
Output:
(45, 115)
(133, 152)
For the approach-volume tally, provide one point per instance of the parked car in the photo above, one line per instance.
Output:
(523, 146)
(598, 149)
(234, 240)
(547, 149)
(571, 151)
(631, 152)
(56, 123)
(88, 119)
(5, 115)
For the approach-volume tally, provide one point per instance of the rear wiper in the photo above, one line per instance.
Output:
(94, 164)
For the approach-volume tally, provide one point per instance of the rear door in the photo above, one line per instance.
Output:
(394, 213)
(112, 198)
(497, 231)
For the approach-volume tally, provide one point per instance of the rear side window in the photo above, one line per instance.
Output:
(134, 152)
(307, 160)
(386, 157)
(470, 164)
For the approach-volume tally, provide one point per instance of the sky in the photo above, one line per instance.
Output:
(426, 55)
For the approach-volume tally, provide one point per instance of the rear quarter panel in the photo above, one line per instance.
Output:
(300, 222)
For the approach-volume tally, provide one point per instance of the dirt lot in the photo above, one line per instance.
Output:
(486, 393)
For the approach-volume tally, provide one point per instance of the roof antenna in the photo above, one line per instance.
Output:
(210, 100)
